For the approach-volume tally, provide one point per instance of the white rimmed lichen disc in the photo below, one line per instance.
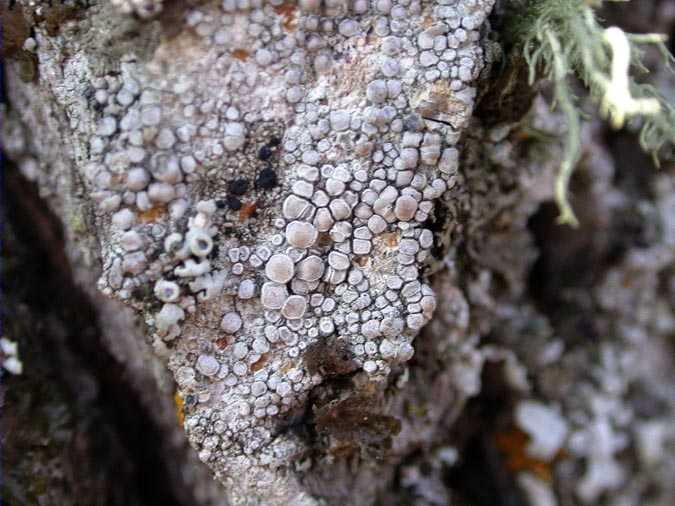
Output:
(280, 268)
(301, 234)
(207, 365)
(231, 322)
(273, 295)
(294, 307)
(311, 268)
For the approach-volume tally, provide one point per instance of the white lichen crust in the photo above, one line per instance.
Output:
(263, 180)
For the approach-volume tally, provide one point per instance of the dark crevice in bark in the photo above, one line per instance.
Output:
(115, 452)
(507, 93)
(633, 168)
(482, 477)
(569, 264)
(653, 16)
(573, 261)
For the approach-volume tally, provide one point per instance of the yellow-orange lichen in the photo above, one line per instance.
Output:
(180, 404)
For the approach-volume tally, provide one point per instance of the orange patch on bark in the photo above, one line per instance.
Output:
(391, 239)
(513, 445)
(427, 21)
(260, 363)
(222, 343)
(240, 54)
(287, 11)
(324, 240)
(247, 210)
(180, 404)
(152, 215)
(362, 261)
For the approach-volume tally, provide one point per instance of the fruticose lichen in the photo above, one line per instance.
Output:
(563, 38)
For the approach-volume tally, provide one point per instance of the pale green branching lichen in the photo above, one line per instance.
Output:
(563, 38)
(617, 102)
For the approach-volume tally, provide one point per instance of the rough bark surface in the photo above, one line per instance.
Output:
(296, 213)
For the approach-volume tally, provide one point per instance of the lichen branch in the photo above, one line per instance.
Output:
(564, 38)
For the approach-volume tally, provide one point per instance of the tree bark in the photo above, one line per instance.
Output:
(319, 238)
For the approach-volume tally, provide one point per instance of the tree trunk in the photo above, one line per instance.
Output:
(320, 237)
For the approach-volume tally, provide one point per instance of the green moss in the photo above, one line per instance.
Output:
(562, 39)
